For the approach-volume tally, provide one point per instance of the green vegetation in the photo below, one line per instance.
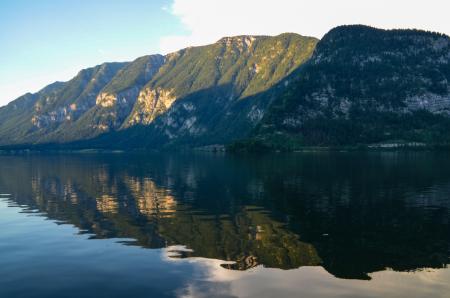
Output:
(216, 86)
(251, 145)
(38, 117)
(359, 86)
(364, 86)
(248, 64)
(211, 80)
(135, 74)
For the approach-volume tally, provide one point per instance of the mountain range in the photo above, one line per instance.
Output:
(357, 85)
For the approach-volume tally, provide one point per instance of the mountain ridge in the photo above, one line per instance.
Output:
(137, 92)
(358, 85)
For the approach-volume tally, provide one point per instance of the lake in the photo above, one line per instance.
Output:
(215, 225)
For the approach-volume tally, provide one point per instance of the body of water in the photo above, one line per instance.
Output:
(212, 225)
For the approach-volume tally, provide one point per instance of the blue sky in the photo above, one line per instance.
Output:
(47, 40)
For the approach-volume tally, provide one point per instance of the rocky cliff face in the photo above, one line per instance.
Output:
(117, 99)
(150, 104)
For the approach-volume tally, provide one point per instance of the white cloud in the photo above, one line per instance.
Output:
(209, 20)
(210, 279)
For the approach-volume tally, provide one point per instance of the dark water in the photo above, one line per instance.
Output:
(203, 225)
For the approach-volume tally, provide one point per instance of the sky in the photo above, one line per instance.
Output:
(51, 40)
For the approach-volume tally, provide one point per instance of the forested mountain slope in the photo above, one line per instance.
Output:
(365, 85)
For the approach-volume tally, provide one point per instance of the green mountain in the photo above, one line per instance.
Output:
(358, 85)
(364, 86)
(114, 102)
(44, 116)
(191, 92)
(206, 94)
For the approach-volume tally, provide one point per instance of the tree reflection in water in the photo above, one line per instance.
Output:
(353, 214)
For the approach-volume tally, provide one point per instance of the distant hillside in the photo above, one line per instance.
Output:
(38, 117)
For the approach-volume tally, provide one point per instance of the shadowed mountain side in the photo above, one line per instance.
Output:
(365, 85)
(202, 118)
(214, 120)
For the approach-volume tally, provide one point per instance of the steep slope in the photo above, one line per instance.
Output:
(16, 117)
(365, 85)
(35, 117)
(113, 102)
(207, 94)
(194, 94)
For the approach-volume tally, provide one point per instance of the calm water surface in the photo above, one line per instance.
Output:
(204, 225)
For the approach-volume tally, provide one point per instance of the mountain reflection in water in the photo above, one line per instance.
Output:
(352, 214)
